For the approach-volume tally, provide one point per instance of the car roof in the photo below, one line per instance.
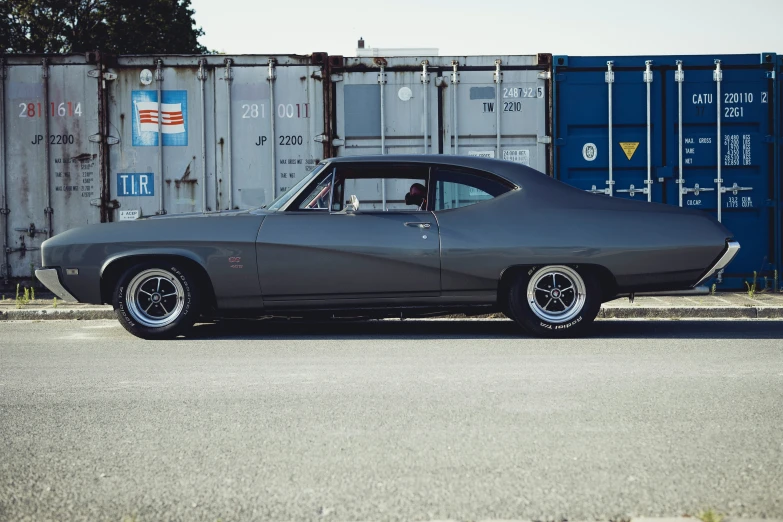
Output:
(514, 172)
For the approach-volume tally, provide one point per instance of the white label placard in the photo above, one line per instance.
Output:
(517, 156)
(482, 153)
(589, 152)
(405, 93)
(129, 215)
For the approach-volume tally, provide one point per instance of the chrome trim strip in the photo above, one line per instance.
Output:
(697, 290)
(51, 280)
(732, 247)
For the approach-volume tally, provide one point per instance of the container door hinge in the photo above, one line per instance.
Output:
(322, 138)
(113, 204)
(596, 190)
(96, 73)
(544, 75)
(733, 189)
(770, 75)
(336, 77)
(5, 211)
(110, 140)
(545, 139)
(32, 230)
(632, 190)
(696, 189)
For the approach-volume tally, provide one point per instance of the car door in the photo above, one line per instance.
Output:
(367, 255)
(471, 253)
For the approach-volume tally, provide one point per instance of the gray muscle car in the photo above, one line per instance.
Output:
(392, 236)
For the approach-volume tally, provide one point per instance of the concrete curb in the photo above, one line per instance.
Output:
(33, 314)
(631, 519)
(606, 312)
(624, 519)
(688, 312)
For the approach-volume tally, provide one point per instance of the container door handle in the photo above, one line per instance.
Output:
(418, 224)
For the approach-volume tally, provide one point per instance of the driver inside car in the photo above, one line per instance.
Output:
(417, 195)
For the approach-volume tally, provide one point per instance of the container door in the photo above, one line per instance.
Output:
(274, 129)
(603, 151)
(475, 104)
(393, 113)
(236, 132)
(50, 162)
(727, 163)
(156, 167)
(779, 174)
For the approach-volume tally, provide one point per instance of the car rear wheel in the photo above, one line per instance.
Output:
(156, 300)
(554, 301)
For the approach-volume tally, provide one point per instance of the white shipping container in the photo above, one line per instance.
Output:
(92, 138)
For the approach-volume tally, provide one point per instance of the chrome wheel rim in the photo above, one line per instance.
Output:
(556, 294)
(155, 298)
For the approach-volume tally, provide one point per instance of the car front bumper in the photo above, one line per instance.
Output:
(732, 247)
(51, 280)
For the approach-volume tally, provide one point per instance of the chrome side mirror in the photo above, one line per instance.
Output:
(353, 206)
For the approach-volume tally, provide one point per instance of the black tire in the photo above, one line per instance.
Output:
(156, 300)
(548, 307)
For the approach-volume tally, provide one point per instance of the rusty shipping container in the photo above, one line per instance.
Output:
(81, 141)
(50, 153)
(492, 106)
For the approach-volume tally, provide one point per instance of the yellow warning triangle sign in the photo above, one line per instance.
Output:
(629, 147)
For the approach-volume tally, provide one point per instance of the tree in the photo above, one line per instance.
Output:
(113, 26)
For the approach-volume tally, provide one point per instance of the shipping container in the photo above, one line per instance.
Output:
(49, 154)
(779, 172)
(493, 106)
(235, 131)
(692, 131)
(81, 141)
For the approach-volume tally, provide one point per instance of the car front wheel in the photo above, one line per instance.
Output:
(156, 300)
(554, 301)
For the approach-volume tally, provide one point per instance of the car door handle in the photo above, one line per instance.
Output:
(418, 224)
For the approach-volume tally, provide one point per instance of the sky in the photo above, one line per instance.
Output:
(470, 27)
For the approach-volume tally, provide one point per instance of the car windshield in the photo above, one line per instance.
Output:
(282, 199)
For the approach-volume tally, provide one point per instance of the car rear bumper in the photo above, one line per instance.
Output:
(51, 280)
(732, 247)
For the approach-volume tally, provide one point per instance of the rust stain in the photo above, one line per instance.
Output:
(86, 156)
(184, 179)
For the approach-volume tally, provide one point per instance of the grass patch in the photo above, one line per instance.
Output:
(710, 515)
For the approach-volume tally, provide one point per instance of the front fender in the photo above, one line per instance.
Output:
(178, 252)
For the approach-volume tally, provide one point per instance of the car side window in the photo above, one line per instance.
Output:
(456, 188)
(319, 197)
(378, 187)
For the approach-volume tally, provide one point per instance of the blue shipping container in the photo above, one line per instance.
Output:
(693, 131)
(779, 170)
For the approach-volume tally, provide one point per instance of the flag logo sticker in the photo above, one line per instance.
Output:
(173, 118)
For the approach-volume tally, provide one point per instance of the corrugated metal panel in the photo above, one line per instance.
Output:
(445, 105)
(256, 115)
(727, 110)
(51, 172)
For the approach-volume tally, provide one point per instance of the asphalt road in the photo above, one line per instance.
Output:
(390, 421)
